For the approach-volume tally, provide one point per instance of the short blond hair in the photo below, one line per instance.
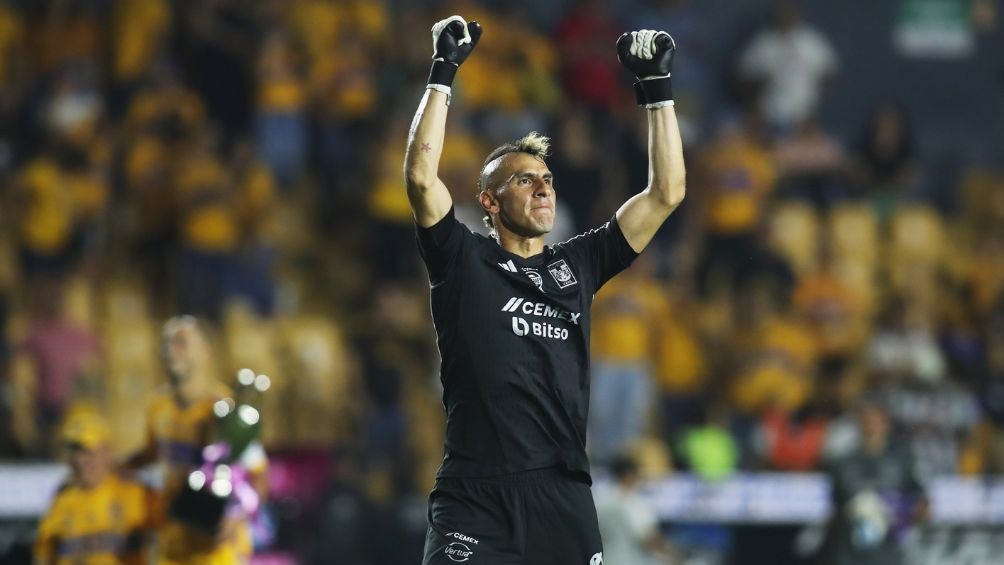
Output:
(533, 143)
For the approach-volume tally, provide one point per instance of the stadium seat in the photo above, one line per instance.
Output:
(794, 231)
(853, 232)
(916, 250)
(133, 373)
(916, 236)
(314, 351)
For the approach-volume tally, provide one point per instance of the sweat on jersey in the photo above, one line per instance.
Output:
(513, 334)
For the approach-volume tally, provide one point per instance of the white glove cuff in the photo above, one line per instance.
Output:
(662, 104)
(442, 88)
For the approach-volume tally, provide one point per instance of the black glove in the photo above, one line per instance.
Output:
(453, 39)
(649, 55)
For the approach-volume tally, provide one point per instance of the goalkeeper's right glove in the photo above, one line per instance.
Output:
(453, 39)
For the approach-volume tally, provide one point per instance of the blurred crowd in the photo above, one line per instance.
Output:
(241, 162)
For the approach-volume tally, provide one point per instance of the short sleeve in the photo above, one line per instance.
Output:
(600, 253)
(440, 244)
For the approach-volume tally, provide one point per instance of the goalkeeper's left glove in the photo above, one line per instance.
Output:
(649, 55)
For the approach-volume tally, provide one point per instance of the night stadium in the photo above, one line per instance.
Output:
(383, 282)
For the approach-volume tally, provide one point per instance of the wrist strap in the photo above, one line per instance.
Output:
(444, 89)
(442, 73)
(658, 90)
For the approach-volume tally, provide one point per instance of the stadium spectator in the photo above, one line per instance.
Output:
(682, 365)
(180, 423)
(789, 64)
(834, 314)
(61, 354)
(774, 354)
(628, 524)
(96, 516)
(886, 151)
(577, 164)
(281, 121)
(139, 31)
(904, 347)
(812, 165)
(209, 229)
(790, 441)
(66, 33)
(628, 314)
(984, 450)
(709, 449)
(344, 79)
(736, 174)
(876, 495)
(590, 76)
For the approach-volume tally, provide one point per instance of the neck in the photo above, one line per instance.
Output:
(874, 447)
(521, 245)
(190, 391)
(88, 485)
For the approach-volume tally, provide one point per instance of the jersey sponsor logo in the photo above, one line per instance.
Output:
(458, 552)
(530, 308)
(508, 266)
(596, 559)
(462, 537)
(535, 278)
(521, 328)
(561, 273)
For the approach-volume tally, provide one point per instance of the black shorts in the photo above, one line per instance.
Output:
(544, 517)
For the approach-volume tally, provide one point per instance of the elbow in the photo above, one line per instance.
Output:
(670, 194)
(677, 193)
(417, 179)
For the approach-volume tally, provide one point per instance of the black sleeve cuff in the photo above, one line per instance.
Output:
(625, 253)
(442, 73)
(437, 234)
(653, 90)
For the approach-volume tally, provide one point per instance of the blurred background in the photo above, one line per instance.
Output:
(835, 275)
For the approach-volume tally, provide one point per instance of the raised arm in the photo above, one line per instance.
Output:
(649, 55)
(453, 39)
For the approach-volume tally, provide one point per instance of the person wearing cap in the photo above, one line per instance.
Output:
(97, 517)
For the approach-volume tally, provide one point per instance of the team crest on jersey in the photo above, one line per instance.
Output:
(561, 273)
(535, 277)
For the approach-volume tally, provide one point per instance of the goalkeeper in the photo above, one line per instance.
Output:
(512, 321)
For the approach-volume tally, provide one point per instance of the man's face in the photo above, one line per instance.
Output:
(521, 195)
(185, 351)
(874, 424)
(89, 465)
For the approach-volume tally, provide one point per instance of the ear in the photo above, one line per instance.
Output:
(489, 202)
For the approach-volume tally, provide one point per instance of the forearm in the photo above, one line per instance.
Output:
(666, 170)
(140, 459)
(648, 55)
(425, 141)
(453, 39)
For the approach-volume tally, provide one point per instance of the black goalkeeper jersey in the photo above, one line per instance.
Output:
(513, 334)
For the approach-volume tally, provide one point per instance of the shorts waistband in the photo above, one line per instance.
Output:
(531, 477)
